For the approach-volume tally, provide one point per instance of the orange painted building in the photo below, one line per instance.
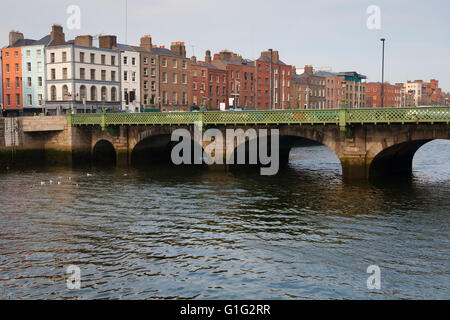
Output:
(12, 80)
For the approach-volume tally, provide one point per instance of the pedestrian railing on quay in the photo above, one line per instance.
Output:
(341, 117)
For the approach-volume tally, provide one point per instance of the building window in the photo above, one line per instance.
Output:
(103, 59)
(133, 76)
(8, 83)
(39, 81)
(113, 76)
(145, 60)
(103, 75)
(40, 99)
(184, 98)
(153, 60)
(153, 72)
(64, 73)
(92, 57)
(153, 85)
(194, 85)
(81, 56)
(175, 78)
(82, 73)
(92, 74)
(64, 57)
(53, 74)
(65, 92)
(184, 64)
(113, 94)
(175, 98)
(145, 71)
(29, 82)
(133, 61)
(145, 84)
(17, 82)
(164, 77)
(53, 93)
(83, 93)
(30, 99)
(17, 68)
(39, 66)
(184, 78)
(17, 99)
(52, 57)
(6, 54)
(164, 62)
(125, 60)
(164, 97)
(28, 53)
(103, 92)
(8, 99)
(125, 76)
(7, 68)
(93, 93)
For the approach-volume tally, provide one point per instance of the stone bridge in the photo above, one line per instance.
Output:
(368, 142)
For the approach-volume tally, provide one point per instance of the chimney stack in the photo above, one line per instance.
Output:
(83, 41)
(208, 56)
(309, 69)
(15, 36)
(107, 42)
(275, 57)
(146, 42)
(225, 55)
(178, 48)
(57, 36)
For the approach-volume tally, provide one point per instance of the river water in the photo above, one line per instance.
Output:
(165, 232)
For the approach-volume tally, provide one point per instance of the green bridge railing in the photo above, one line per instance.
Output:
(341, 117)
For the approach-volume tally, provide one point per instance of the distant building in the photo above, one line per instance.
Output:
(392, 95)
(273, 84)
(174, 77)
(208, 84)
(353, 89)
(80, 77)
(308, 90)
(333, 89)
(240, 78)
(149, 74)
(33, 76)
(130, 78)
(414, 89)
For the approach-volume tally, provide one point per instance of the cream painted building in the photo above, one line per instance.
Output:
(130, 78)
(415, 89)
(81, 77)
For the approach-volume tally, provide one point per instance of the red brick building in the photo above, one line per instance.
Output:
(431, 93)
(273, 82)
(240, 78)
(392, 95)
(208, 84)
(333, 89)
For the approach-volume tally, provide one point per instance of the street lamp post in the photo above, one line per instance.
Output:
(271, 104)
(382, 74)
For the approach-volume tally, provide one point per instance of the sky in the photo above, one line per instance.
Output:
(328, 34)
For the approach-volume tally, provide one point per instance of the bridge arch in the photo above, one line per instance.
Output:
(393, 156)
(289, 137)
(104, 153)
(156, 148)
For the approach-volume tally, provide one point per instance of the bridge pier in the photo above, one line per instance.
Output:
(355, 167)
